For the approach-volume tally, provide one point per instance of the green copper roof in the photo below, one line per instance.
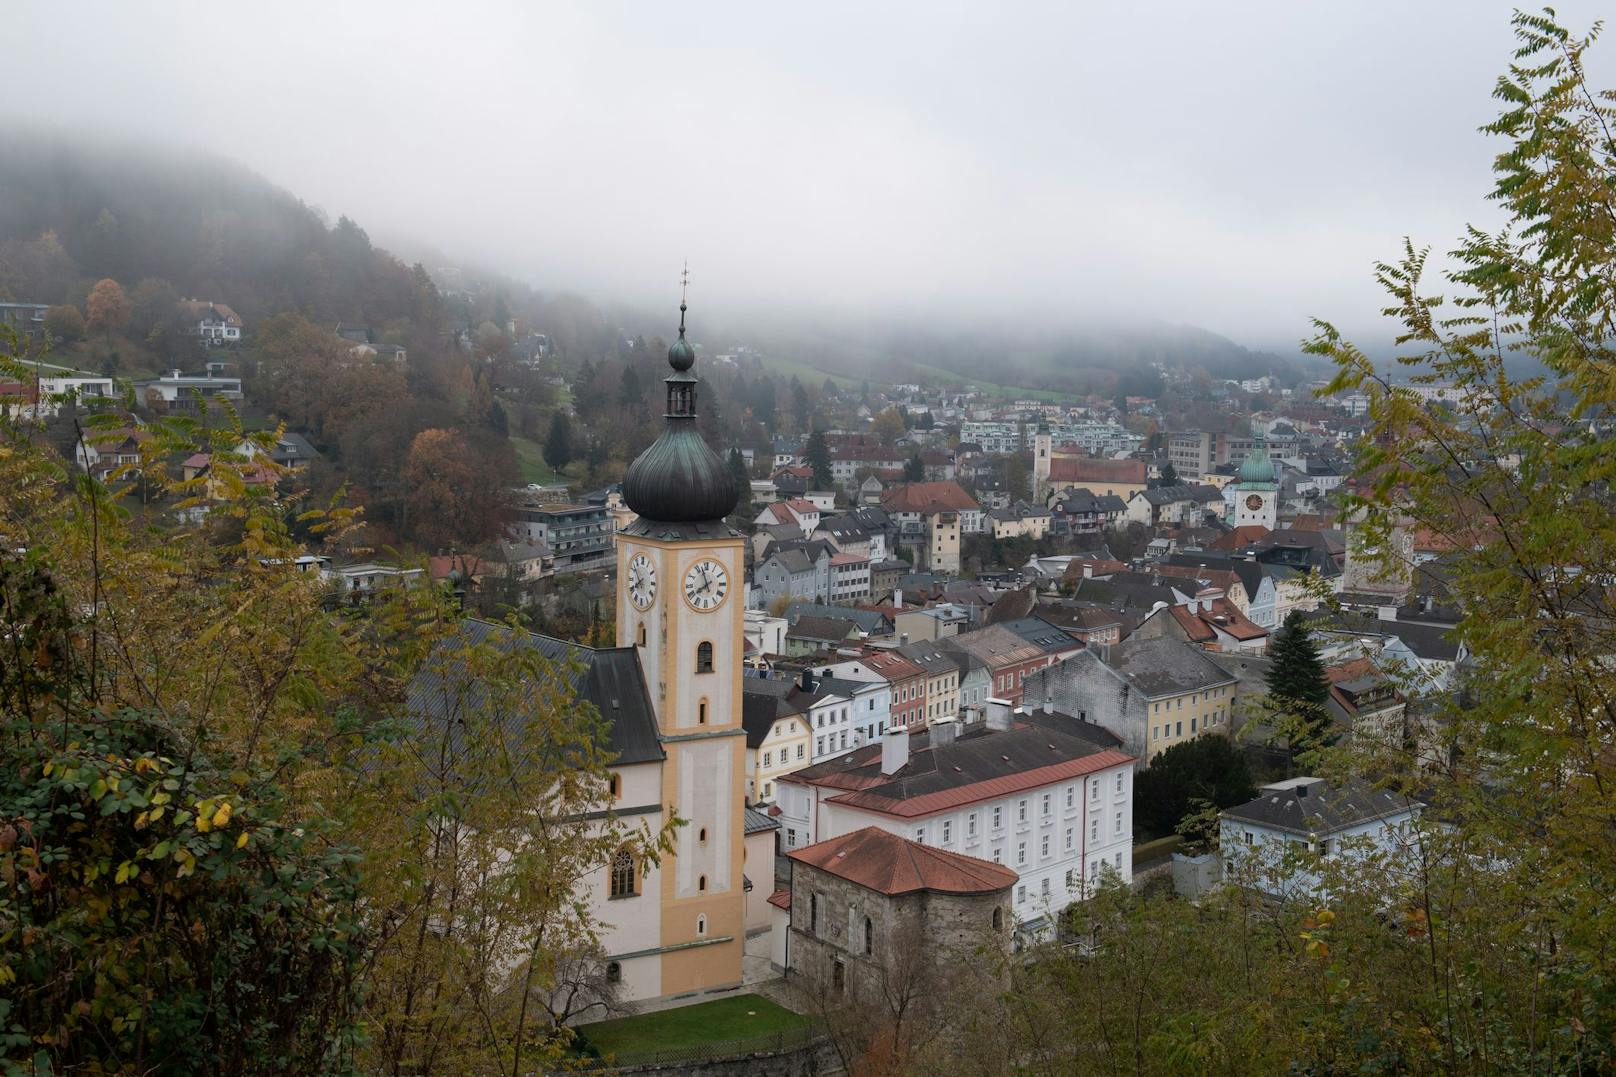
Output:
(679, 479)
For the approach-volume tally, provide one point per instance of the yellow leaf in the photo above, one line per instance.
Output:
(241, 842)
(221, 818)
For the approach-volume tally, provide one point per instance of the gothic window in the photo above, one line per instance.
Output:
(701, 882)
(701, 925)
(614, 972)
(623, 881)
(704, 657)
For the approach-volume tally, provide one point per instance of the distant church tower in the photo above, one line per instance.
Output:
(1042, 449)
(679, 599)
(1256, 499)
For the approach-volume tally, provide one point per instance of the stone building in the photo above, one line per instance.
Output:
(871, 915)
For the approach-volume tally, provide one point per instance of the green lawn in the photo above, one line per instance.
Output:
(733, 1018)
(530, 458)
(939, 376)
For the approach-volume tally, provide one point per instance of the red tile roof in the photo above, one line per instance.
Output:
(1086, 471)
(927, 498)
(929, 803)
(1239, 538)
(890, 865)
(781, 899)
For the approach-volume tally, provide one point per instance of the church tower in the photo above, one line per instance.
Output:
(679, 596)
(1042, 452)
(1256, 495)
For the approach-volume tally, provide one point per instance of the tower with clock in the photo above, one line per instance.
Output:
(680, 567)
(1256, 492)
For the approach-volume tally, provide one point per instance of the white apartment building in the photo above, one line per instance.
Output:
(1042, 793)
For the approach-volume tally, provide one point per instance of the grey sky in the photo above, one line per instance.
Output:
(1233, 165)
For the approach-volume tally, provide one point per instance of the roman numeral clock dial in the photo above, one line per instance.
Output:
(641, 582)
(706, 584)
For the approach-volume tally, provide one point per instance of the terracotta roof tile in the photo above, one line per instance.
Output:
(890, 865)
(1087, 470)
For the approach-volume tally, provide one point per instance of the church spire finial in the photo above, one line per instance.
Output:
(684, 286)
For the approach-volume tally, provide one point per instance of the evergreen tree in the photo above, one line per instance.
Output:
(1169, 476)
(819, 459)
(558, 449)
(914, 469)
(1208, 768)
(1297, 687)
(743, 478)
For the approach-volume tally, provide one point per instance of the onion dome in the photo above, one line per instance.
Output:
(1257, 469)
(679, 479)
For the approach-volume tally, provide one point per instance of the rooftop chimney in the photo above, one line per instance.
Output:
(943, 732)
(894, 750)
(897, 598)
(1049, 703)
(998, 715)
(807, 681)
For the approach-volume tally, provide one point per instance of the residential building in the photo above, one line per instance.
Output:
(800, 571)
(1021, 520)
(1152, 693)
(1041, 793)
(213, 323)
(757, 867)
(779, 736)
(905, 681)
(187, 392)
(1275, 843)
(579, 536)
(849, 578)
(930, 517)
(765, 634)
(941, 681)
(1009, 658)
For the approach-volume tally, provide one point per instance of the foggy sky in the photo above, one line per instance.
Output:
(1237, 166)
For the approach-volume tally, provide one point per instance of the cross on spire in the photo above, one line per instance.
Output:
(684, 286)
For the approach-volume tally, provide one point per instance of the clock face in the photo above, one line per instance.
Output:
(641, 581)
(706, 584)
(1253, 502)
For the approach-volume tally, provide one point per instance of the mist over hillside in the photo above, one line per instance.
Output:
(215, 229)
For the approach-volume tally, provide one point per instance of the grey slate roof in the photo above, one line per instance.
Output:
(1164, 667)
(1040, 633)
(1324, 809)
(824, 629)
(757, 822)
(608, 677)
(870, 622)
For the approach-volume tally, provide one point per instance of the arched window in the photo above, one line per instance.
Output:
(701, 925)
(701, 711)
(869, 936)
(702, 835)
(623, 881)
(704, 657)
(614, 972)
(701, 882)
(642, 634)
(998, 919)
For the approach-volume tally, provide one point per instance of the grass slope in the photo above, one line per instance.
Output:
(530, 458)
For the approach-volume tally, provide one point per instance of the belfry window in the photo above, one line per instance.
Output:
(704, 657)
